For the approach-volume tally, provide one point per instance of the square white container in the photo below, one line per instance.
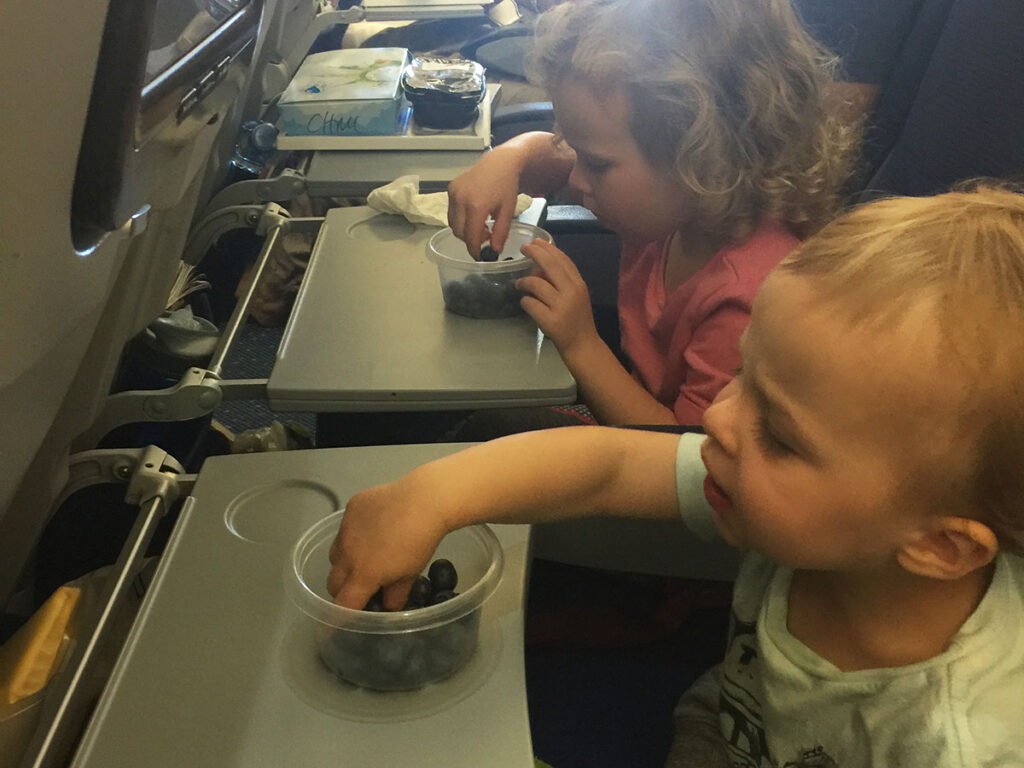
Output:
(349, 92)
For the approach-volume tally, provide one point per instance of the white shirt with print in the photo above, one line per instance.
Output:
(784, 706)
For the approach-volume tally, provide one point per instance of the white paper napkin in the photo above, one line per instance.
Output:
(402, 196)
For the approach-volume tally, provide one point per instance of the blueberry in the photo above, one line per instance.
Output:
(451, 646)
(392, 652)
(442, 575)
(348, 654)
(420, 594)
(442, 595)
(487, 253)
(416, 672)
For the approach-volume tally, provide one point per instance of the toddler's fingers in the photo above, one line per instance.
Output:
(334, 554)
(336, 577)
(396, 594)
(351, 592)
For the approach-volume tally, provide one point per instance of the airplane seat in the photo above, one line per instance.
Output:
(94, 233)
(111, 145)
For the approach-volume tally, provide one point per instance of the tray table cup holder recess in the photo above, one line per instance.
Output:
(399, 650)
(483, 289)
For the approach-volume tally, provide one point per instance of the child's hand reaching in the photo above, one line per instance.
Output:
(489, 188)
(386, 538)
(390, 532)
(557, 299)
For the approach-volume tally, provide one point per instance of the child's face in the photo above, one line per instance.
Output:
(618, 184)
(819, 453)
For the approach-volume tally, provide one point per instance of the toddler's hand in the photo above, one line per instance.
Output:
(489, 188)
(557, 298)
(385, 540)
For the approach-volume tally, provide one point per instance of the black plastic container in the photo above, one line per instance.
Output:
(445, 94)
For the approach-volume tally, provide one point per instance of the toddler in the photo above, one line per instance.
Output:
(867, 459)
(695, 130)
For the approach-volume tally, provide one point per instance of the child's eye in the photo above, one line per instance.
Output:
(768, 441)
(592, 165)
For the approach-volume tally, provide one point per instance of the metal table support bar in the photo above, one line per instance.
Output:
(200, 391)
(154, 483)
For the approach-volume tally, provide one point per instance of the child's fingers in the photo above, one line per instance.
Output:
(540, 303)
(456, 220)
(547, 255)
(554, 264)
(469, 224)
(477, 231)
(538, 246)
(502, 225)
(461, 219)
(539, 288)
(538, 310)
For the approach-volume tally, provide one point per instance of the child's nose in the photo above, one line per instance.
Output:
(720, 417)
(578, 180)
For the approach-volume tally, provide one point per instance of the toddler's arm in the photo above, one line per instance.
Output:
(532, 163)
(389, 532)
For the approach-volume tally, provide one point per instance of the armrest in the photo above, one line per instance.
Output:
(514, 119)
(503, 49)
(572, 220)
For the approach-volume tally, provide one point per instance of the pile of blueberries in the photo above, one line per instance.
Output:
(436, 587)
(405, 660)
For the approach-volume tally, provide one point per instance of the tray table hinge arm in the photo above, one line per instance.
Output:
(155, 481)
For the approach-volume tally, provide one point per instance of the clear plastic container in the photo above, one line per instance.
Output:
(399, 650)
(484, 289)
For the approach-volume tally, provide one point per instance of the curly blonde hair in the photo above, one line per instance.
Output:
(960, 256)
(728, 92)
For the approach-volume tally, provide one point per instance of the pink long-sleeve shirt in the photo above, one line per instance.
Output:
(684, 347)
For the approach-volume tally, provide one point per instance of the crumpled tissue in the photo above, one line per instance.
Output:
(402, 196)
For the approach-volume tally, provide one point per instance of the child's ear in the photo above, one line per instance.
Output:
(957, 546)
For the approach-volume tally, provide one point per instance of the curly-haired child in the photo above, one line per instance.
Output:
(694, 129)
